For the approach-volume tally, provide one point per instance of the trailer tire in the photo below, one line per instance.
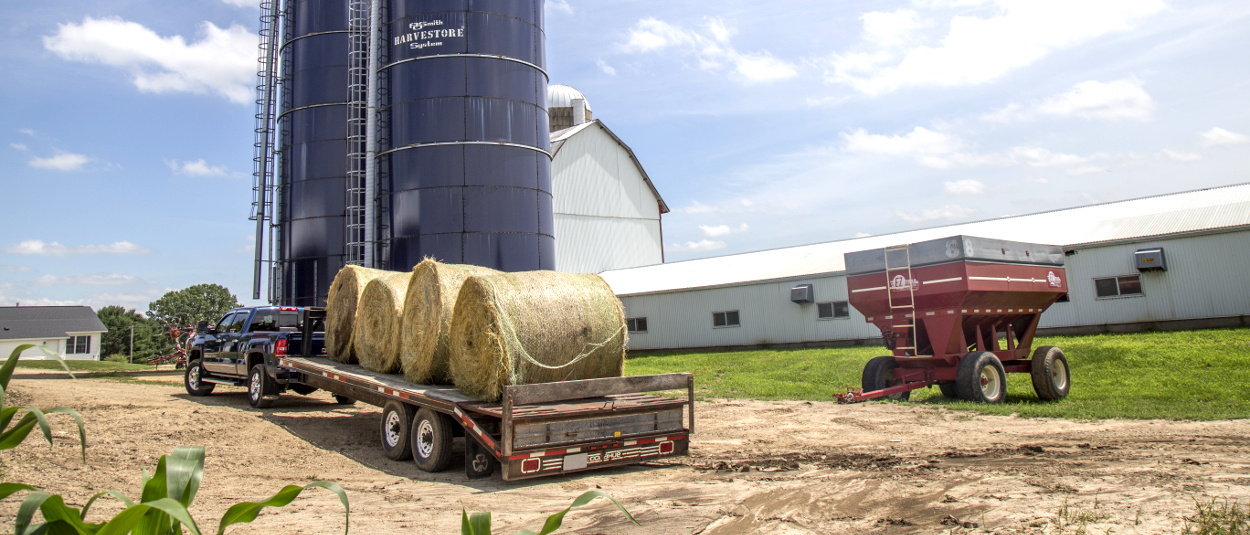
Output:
(431, 440)
(193, 380)
(980, 377)
(344, 400)
(260, 386)
(949, 390)
(1051, 378)
(395, 430)
(302, 389)
(879, 374)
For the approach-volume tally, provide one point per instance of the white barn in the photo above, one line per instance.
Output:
(72, 331)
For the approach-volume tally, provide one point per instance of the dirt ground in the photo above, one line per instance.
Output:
(755, 467)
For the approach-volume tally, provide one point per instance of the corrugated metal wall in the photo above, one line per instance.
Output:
(1207, 277)
(605, 215)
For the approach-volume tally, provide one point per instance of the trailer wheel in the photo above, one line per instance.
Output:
(302, 389)
(259, 385)
(431, 440)
(395, 433)
(949, 390)
(193, 380)
(980, 377)
(879, 374)
(1051, 378)
(344, 400)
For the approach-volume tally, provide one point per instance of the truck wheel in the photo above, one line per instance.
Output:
(1050, 373)
(396, 420)
(259, 385)
(193, 380)
(980, 377)
(879, 374)
(431, 440)
(344, 400)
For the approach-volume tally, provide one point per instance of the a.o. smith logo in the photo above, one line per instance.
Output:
(900, 283)
(1053, 280)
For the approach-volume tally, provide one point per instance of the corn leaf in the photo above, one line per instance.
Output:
(56, 512)
(554, 521)
(8, 489)
(475, 524)
(248, 511)
(14, 436)
(82, 431)
(6, 371)
(26, 511)
(156, 488)
(7, 414)
(183, 472)
(136, 518)
(57, 357)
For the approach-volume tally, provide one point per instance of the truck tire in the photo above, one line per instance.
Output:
(193, 380)
(980, 377)
(431, 440)
(259, 386)
(1051, 378)
(395, 430)
(879, 374)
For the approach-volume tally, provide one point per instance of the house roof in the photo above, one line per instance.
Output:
(1224, 208)
(24, 323)
(560, 136)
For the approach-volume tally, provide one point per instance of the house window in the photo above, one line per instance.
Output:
(725, 319)
(637, 325)
(78, 345)
(836, 309)
(1118, 286)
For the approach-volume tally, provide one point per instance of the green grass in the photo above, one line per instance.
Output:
(1191, 375)
(83, 366)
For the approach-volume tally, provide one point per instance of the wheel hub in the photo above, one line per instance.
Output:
(990, 385)
(193, 378)
(1059, 374)
(425, 439)
(392, 429)
(253, 388)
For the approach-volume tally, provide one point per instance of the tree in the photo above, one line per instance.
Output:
(150, 339)
(197, 303)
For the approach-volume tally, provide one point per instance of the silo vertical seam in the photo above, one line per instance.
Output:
(371, 134)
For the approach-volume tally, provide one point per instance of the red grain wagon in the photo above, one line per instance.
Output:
(960, 313)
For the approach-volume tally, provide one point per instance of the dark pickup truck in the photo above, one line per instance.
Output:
(244, 347)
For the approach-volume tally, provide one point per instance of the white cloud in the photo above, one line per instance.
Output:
(18, 146)
(16, 269)
(27, 131)
(1119, 99)
(1219, 136)
(196, 168)
(551, 5)
(697, 207)
(950, 212)
(721, 230)
(965, 187)
(38, 247)
(699, 246)
(711, 47)
(1182, 156)
(896, 51)
(938, 150)
(920, 141)
(63, 161)
(607, 69)
(94, 279)
(1039, 157)
(137, 300)
(222, 62)
(243, 3)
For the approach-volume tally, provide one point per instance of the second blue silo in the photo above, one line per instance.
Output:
(464, 164)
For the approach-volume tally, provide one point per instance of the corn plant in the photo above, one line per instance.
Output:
(479, 523)
(162, 507)
(10, 437)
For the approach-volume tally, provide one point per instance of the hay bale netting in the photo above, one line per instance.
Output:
(378, 315)
(341, 310)
(426, 327)
(534, 327)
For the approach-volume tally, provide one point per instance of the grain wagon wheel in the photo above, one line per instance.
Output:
(1051, 378)
(949, 390)
(980, 377)
(879, 374)
(395, 430)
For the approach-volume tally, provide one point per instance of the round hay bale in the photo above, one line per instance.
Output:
(426, 324)
(341, 310)
(534, 327)
(376, 339)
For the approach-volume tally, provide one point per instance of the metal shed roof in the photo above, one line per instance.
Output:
(1226, 207)
(26, 323)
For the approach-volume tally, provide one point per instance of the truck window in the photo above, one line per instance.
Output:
(289, 319)
(235, 323)
(265, 321)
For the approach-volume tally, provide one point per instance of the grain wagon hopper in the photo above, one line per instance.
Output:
(960, 313)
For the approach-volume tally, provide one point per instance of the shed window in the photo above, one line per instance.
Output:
(1118, 286)
(636, 325)
(836, 309)
(725, 319)
(78, 345)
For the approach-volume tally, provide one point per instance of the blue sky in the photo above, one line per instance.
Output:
(128, 124)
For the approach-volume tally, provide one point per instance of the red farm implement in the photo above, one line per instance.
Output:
(960, 313)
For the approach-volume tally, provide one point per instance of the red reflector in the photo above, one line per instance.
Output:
(530, 465)
(280, 348)
(288, 309)
(666, 447)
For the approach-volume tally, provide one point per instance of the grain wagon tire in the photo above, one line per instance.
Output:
(302, 389)
(258, 387)
(395, 430)
(344, 400)
(949, 390)
(981, 378)
(1051, 378)
(879, 374)
(431, 440)
(193, 379)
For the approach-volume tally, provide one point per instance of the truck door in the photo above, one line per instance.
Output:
(227, 340)
(264, 322)
(211, 345)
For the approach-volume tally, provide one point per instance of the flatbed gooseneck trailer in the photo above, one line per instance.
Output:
(536, 430)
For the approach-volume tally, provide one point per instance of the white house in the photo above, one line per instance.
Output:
(72, 331)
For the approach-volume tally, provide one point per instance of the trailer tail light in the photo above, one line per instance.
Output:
(530, 466)
(279, 348)
(666, 448)
(288, 309)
